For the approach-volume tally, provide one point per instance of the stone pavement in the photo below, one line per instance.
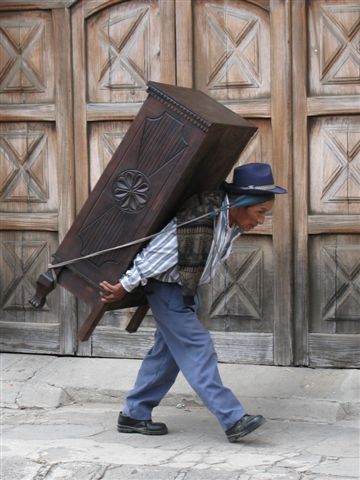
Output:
(59, 416)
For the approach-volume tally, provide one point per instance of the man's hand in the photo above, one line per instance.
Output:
(115, 292)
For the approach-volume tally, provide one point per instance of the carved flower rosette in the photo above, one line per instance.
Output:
(131, 190)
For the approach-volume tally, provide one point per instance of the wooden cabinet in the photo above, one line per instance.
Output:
(181, 142)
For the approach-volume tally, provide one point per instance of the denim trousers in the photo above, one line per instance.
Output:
(181, 343)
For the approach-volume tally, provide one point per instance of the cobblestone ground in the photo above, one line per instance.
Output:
(81, 442)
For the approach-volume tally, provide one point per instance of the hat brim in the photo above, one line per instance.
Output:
(231, 188)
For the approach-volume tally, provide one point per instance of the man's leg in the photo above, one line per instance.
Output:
(192, 348)
(157, 374)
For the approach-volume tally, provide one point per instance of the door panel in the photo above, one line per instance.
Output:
(327, 207)
(234, 64)
(35, 159)
(232, 49)
(334, 165)
(27, 58)
(123, 44)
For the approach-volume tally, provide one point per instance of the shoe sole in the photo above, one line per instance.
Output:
(250, 428)
(142, 431)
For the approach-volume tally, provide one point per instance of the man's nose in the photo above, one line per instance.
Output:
(261, 219)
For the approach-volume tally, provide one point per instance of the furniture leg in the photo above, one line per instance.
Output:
(137, 318)
(44, 285)
(91, 321)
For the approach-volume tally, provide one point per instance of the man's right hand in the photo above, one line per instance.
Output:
(115, 292)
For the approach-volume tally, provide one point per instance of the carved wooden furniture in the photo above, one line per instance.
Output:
(181, 142)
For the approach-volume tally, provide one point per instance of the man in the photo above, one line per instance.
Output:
(170, 268)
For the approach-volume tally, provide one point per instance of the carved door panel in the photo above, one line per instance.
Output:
(35, 174)
(327, 153)
(117, 47)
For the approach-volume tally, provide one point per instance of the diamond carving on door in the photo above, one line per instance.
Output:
(341, 146)
(23, 158)
(340, 55)
(340, 267)
(234, 48)
(20, 260)
(22, 67)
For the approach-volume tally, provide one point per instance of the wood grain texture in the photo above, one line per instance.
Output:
(282, 163)
(333, 51)
(334, 180)
(27, 58)
(24, 221)
(300, 171)
(79, 96)
(340, 351)
(318, 224)
(184, 43)
(333, 105)
(35, 4)
(21, 113)
(232, 50)
(112, 111)
(65, 129)
(238, 348)
(28, 337)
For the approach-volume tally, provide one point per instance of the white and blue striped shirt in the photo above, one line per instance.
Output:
(159, 258)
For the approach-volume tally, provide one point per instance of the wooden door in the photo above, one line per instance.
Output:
(73, 76)
(326, 73)
(222, 48)
(36, 171)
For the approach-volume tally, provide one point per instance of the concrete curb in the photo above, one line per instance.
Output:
(285, 393)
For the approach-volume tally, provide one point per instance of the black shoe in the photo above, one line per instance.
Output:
(146, 427)
(245, 425)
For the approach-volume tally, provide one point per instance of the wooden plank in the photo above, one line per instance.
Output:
(35, 4)
(167, 41)
(333, 224)
(35, 112)
(25, 221)
(235, 348)
(96, 112)
(282, 155)
(64, 120)
(334, 350)
(300, 172)
(251, 108)
(64, 127)
(27, 337)
(334, 105)
(253, 348)
(184, 43)
(80, 126)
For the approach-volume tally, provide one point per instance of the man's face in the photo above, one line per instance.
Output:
(247, 218)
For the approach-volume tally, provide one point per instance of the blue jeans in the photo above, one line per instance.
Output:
(181, 343)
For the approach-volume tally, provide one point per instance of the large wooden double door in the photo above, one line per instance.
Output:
(72, 78)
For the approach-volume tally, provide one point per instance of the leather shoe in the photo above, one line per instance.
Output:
(146, 427)
(245, 425)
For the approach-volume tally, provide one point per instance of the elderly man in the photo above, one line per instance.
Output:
(170, 268)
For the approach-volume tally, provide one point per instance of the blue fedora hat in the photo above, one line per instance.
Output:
(253, 179)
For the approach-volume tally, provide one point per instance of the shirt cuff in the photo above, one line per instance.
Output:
(132, 279)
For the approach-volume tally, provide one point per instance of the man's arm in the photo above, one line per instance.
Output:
(157, 257)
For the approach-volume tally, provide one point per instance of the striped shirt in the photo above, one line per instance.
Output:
(159, 258)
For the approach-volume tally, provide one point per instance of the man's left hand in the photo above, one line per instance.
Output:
(115, 292)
